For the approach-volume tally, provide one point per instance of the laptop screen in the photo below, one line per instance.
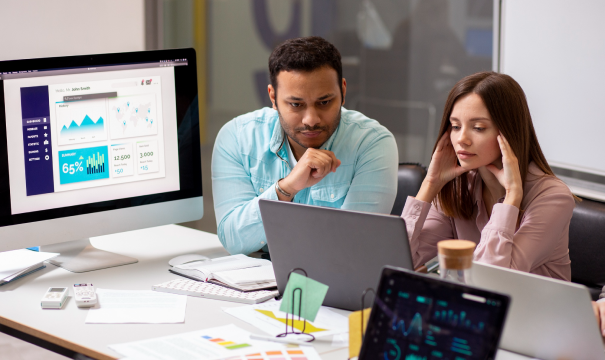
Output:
(418, 317)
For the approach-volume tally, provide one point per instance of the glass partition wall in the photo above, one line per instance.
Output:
(400, 59)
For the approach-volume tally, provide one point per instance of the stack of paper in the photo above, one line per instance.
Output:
(18, 263)
(237, 271)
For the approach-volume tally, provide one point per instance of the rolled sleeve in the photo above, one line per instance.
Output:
(415, 213)
(269, 194)
(497, 236)
(239, 224)
(426, 226)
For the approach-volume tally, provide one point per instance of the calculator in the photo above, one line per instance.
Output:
(85, 295)
(54, 298)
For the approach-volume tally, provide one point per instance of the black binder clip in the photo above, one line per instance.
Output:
(294, 332)
(363, 298)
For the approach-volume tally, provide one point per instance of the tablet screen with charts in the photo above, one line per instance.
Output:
(418, 317)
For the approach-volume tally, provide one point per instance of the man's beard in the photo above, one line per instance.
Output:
(291, 132)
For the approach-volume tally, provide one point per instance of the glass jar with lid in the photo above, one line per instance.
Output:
(456, 260)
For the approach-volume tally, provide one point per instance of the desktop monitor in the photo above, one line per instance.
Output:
(97, 144)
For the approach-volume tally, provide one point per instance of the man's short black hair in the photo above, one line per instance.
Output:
(304, 54)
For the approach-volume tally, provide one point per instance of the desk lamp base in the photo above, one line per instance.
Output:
(80, 256)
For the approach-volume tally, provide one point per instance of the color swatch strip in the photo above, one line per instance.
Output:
(229, 345)
(273, 355)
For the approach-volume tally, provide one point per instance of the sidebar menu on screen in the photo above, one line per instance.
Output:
(37, 145)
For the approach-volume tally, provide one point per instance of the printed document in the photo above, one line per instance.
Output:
(221, 342)
(15, 261)
(137, 307)
(268, 318)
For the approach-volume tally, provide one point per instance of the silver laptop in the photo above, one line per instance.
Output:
(345, 250)
(548, 318)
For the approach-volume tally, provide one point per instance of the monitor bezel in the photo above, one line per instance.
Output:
(187, 115)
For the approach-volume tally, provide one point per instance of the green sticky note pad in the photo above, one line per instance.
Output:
(313, 295)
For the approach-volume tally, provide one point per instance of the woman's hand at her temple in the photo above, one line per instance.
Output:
(510, 175)
(599, 313)
(442, 169)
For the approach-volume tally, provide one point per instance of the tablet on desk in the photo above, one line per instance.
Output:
(420, 317)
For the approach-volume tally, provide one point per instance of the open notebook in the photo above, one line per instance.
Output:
(238, 272)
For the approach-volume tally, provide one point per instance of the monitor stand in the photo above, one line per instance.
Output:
(80, 256)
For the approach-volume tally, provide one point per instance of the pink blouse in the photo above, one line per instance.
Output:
(537, 244)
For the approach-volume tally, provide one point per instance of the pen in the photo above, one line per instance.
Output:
(279, 340)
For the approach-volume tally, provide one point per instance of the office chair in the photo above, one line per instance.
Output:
(409, 179)
(587, 245)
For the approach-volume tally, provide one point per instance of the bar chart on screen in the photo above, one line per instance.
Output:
(83, 164)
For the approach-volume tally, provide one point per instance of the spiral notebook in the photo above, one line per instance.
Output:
(238, 272)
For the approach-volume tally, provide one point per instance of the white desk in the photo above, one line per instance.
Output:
(20, 301)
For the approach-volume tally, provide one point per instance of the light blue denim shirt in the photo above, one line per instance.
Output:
(250, 155)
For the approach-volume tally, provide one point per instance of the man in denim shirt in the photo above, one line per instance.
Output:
(307, 149)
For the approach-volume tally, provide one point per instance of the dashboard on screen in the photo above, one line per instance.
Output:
(92, 133)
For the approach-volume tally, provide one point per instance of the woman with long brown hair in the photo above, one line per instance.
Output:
(488, 182)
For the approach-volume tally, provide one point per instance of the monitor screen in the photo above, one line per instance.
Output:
(421, 317)
(84, 134)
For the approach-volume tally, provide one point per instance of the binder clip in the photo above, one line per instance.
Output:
(363, 298)
(357, 318)
(294, 292)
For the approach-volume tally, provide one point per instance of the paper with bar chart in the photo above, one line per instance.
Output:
(133, 116)
(224, 342)
(301, 353)
(81, 121)
(269, 319)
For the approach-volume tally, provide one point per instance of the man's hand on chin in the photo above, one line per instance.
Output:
(311, 168)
